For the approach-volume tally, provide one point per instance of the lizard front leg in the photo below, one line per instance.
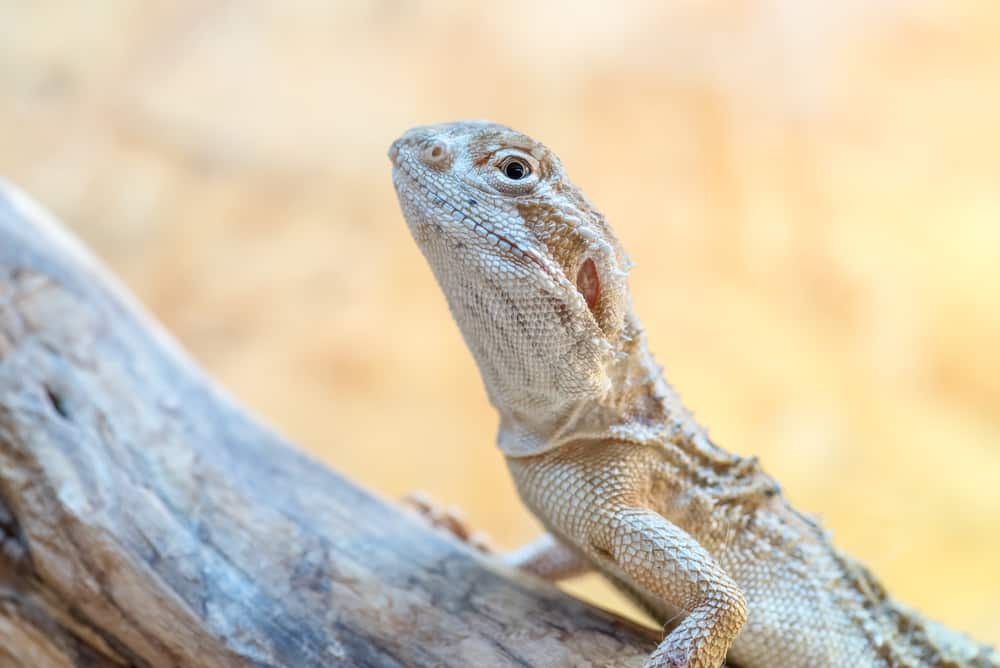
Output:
(663, 561)
(450, 520)
(548, 558)
(545, 557)
(597, 497)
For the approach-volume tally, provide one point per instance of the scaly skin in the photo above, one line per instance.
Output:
(600, 447)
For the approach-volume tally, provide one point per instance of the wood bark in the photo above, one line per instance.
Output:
(147, 520)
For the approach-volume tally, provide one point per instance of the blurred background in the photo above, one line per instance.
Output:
(810, 191)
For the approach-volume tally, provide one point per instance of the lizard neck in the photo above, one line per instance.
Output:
(636, 406)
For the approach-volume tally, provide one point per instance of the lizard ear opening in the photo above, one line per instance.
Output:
(589, 284)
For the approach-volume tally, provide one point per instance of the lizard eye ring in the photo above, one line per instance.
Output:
(515, 172)
(514, 168)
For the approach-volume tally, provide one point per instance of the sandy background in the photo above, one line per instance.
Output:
(810, 191)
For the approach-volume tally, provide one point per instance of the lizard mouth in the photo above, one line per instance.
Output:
(454, 215)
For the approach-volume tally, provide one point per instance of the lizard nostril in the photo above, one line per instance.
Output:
(436, 153)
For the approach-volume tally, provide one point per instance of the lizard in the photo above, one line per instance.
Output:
(602, 450)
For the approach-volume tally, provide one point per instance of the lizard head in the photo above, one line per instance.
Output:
(533, 275)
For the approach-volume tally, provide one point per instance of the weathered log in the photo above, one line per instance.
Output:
(147, 520)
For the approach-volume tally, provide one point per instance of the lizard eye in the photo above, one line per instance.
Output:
(515, 169)
(513, 172)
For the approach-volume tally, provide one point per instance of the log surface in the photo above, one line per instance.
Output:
(147, 520)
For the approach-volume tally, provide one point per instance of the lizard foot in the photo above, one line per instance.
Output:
(450, 520)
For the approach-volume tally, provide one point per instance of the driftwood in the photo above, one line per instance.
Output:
(147, 520)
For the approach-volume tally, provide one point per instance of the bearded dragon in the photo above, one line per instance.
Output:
(599, 445)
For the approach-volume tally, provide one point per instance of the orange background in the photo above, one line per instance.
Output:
(809, 191)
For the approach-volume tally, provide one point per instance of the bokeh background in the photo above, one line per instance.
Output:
(810, 191)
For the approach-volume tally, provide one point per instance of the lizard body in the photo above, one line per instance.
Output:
(601, 448)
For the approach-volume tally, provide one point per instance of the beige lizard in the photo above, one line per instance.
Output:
(600, 447)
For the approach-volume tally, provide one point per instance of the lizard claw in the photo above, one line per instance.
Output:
(450, 520)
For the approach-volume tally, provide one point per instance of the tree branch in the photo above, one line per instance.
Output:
(147, 520)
